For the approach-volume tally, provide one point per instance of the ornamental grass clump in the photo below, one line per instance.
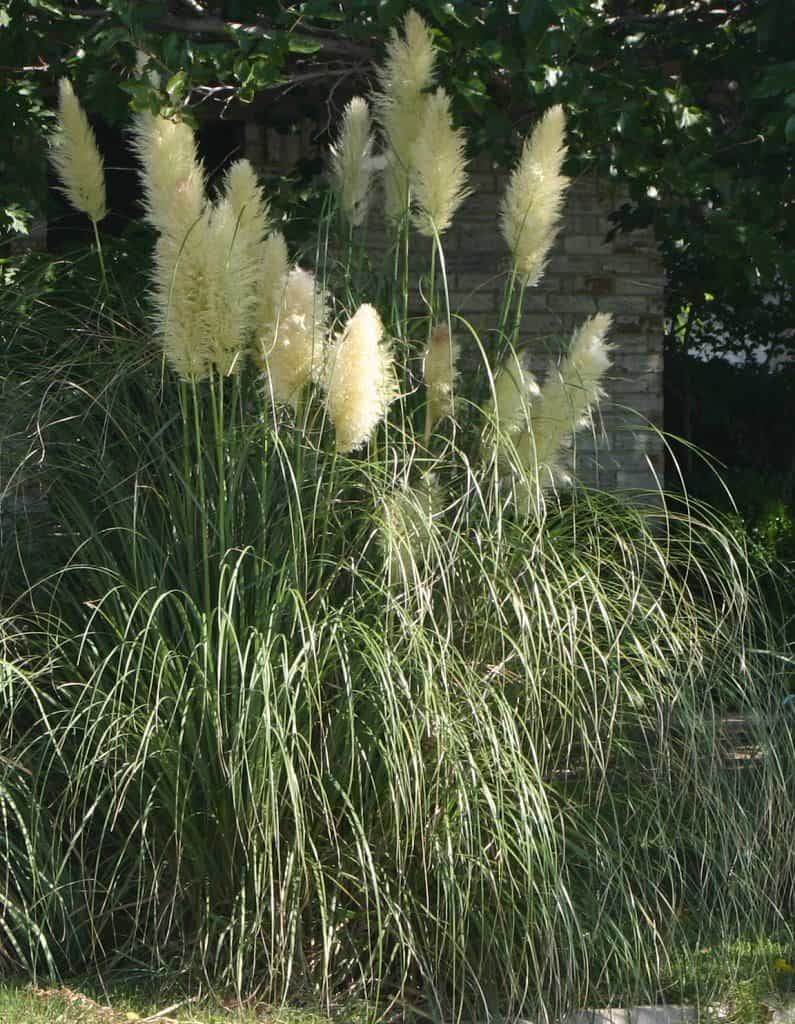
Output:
(327, 685)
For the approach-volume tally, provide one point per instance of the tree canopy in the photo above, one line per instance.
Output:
(689, 104)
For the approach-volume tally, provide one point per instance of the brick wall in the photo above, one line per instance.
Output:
(585, 275)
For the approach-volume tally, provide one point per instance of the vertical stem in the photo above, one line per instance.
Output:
(507, 301)
(517, 322)
(405, 275)
(217, 397)
(188, 515)
(101, 255)
(202, 505)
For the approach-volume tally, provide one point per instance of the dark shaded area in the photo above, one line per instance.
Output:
(742, 417)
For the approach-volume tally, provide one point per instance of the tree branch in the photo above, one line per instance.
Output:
(218, 28)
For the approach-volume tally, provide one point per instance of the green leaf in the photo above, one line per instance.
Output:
(789, 128)
(302, 44)
(177, 87)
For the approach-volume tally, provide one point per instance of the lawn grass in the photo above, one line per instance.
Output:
(86, 1003)
(740, 982)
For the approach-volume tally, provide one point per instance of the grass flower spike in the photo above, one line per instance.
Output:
(567, 397)
(508, 410)
(188, 245)
(76, 158)
(438, 167)
(408, 529)
(234, 255)
(533, 201)
(440, 372)
(405, 77)
(296, 353)
(180, 297)
(273, 278)
(352, 161)
(171, 175)
(359, 380)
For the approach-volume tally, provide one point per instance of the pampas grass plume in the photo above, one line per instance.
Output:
(359, 380)
(273, 277)
(189, 245)
(406, 75)
(296, 353)
(440, 372)
(438, 167)
(514, 390)
(567, 397)
(234, 255)
(533, 201)
(180, 295)
(171, 175)
(76, 157)
(352, 161)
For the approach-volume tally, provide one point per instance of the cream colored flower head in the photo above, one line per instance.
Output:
(171, 174)
(438, 167)
(406, 75)
(352, 162)
(515, 389)
(358, 380)
(532, 205)
(296, 354)
(273, 278)
(76, 157)
(440, 372)
(568, 397)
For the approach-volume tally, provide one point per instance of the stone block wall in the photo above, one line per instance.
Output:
(585, 275)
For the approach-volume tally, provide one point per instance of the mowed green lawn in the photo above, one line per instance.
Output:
(22, 1003)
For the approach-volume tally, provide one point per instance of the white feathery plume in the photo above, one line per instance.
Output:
(514, 389)
(273, 277)
(408, 530)
(352, 161)
(438, 171)
(358, 379)
(171, 175)
(567, 399)
(234, 254)
(404, 78)
(440, 371)
(76, 157)
(188, 248)
(508, 409)
(533, 201)
(296, 352)
(248, 203)
(181, 287)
